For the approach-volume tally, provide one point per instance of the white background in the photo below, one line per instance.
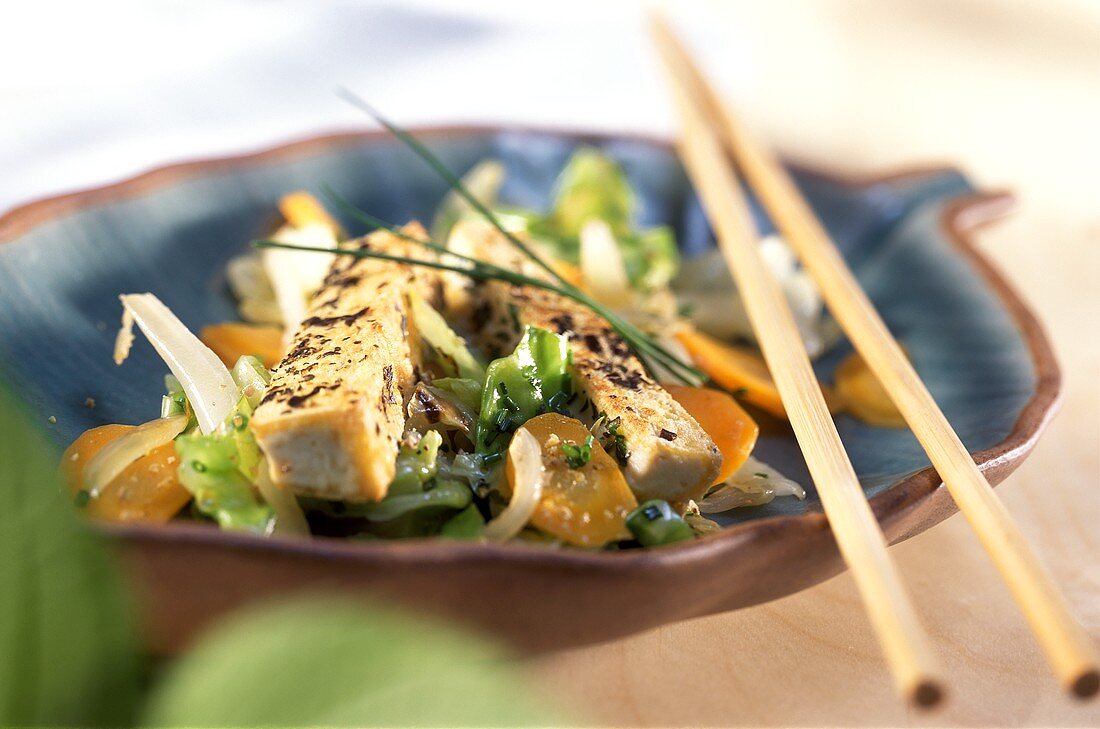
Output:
(1008, 89)
(92, 91)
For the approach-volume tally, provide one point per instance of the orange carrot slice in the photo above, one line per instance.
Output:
(585, 506)
(148, 490)
(726, 422)
(739, 370)
(231, 340)
(863, 396)
(301, 209)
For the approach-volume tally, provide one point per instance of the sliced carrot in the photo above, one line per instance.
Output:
(740, 370)
(863, 396)
(301, 209)
(90, 442)
(231, 340)
(585, 506)
(148, 490)
(728, 425)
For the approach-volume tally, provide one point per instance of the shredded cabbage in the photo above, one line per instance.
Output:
(208, 384)
(594, 187)
(707, 289)
(250, 286)
(453, 354)
(602, 266)
(289, 519)
(210, 470)
(252, 377)
(753, 484)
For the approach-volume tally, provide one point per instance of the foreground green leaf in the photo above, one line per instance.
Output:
(331, 663)
(67, 655)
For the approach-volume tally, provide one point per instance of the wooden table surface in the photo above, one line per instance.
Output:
(1010, 91)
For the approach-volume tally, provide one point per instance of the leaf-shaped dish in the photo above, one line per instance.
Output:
(64, 261)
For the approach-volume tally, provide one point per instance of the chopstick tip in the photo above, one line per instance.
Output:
(927, 694)
(1086, 685)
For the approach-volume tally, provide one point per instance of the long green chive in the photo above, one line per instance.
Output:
(642, 344)
(449, 177)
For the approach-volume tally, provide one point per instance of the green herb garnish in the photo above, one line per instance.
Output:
(611, 437)
(576, 456)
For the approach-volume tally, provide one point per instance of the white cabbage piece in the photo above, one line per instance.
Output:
(706, 287)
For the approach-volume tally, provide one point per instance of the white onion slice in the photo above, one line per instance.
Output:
(114, 457)
(207, 383)
(526, 457)
(753, 484)
(289, 519)
(602, 266)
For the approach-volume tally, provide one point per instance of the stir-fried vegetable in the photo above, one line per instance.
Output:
(534, 379)
(295, 276)
(250, 286)
(206, 381)
(863, 395)
(602, 267)
(431, 408)
(418, 502)
(483, 181)
(740, 370)
(754, 484)
(561, 479)
(729, 426)
(300, 209)
(582, 503)
(210, 469)
(252, 377)
(466, 524)
(465, 391)
(705, 287)
(593, 187)
(114, 457)
(655, 524)
(232, 340)
(289, 519)
(451, 351)
(528, 475)
(146, 490)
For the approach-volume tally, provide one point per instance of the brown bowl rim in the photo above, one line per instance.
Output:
(960, 218)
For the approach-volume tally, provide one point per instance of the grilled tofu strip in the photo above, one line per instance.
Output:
(668, 455)
(332, 418)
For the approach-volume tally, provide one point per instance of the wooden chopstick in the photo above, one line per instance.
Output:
(1067, 647)
(858, 536)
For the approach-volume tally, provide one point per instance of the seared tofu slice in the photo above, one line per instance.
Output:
(668, 455)
(332, 418)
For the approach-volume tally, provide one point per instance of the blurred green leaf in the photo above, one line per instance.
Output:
(67, 653)
(331, 663)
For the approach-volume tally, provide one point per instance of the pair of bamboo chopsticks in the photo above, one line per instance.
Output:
(710, 135)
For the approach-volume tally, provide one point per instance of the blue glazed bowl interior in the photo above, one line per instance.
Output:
(59, 282)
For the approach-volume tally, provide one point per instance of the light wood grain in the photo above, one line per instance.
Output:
(858, 536)
(1067, 647)
(869, 87)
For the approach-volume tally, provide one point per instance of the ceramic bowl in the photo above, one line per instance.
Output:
(63, 261)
